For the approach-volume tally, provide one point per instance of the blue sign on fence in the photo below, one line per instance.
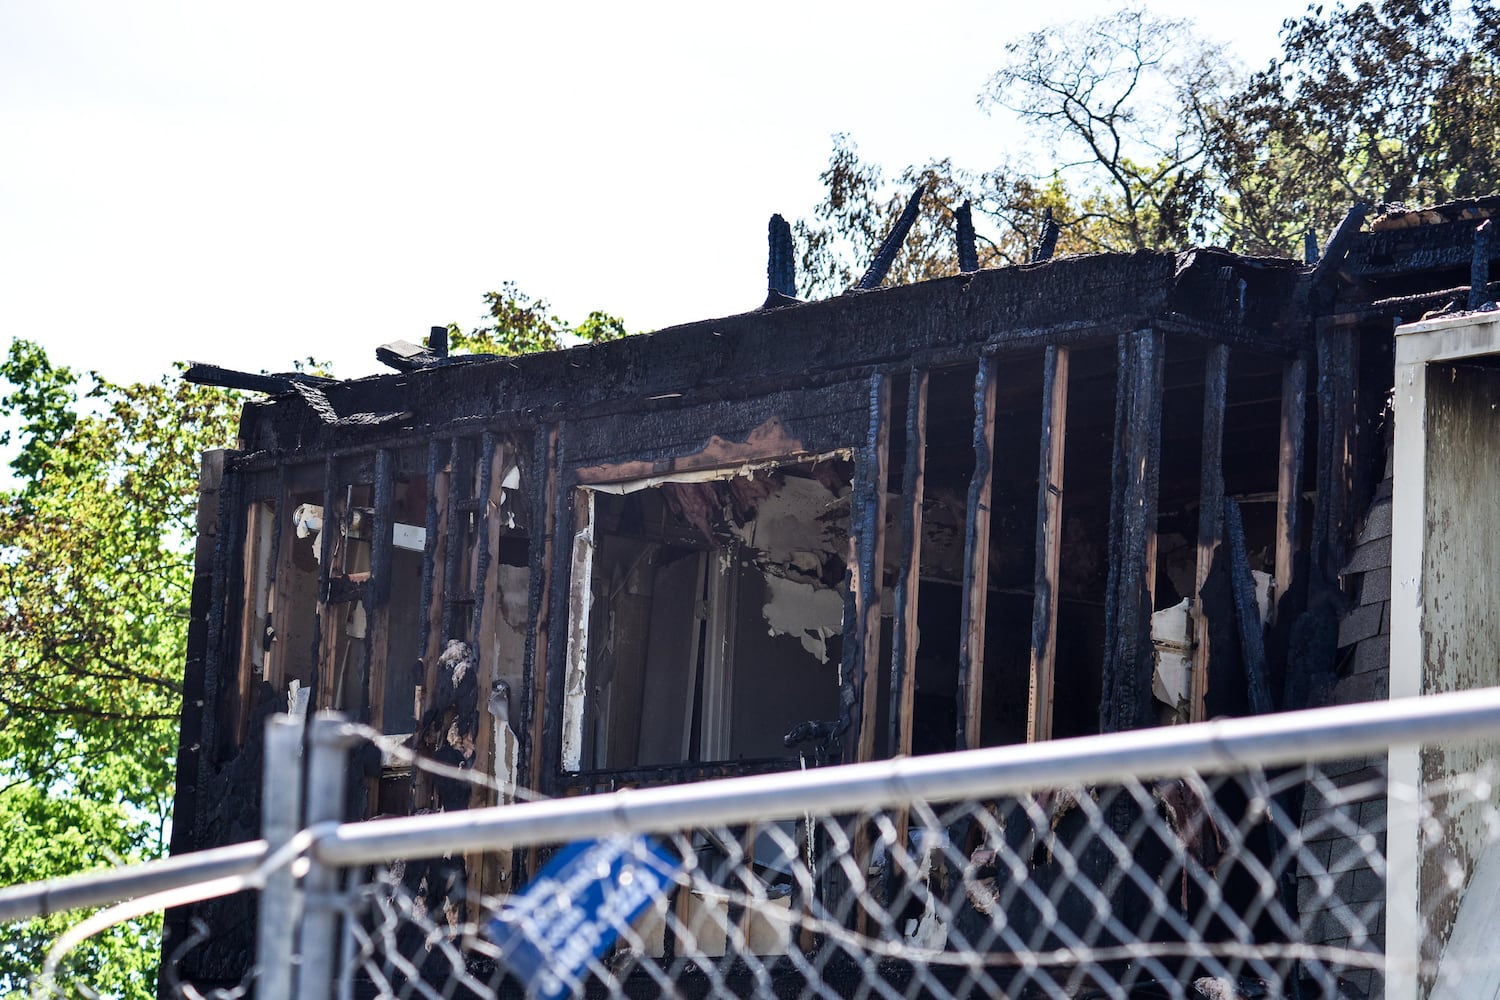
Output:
(576, 908)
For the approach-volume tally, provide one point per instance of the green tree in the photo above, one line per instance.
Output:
(1121, 105)
(1146, 138)
(94, 577)
(519, 324)
(1389, 101)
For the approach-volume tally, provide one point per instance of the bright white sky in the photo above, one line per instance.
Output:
(251, 183)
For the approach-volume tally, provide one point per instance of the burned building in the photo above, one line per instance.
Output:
(1084, 495)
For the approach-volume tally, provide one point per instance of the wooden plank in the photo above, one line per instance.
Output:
(430, 622)
(1247, 612)
(976, 560)
(278, 607)
(1289, 479)
(1336, 401)
(326, 632)
(1210, 515)
(904, 628)
(254, 572)
(904, 639)
(538, 653)
(1049, 510)
(1126, 700)
(867, 529)
(377, 607)
(487, 607)
(483, 877)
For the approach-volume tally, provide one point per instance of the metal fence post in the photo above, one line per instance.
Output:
(317, 946)
(281, 811)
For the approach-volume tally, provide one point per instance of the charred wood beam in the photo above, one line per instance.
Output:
(867, 537)
(1128, 655)
(1409, 308)
(1337, 250)
(1394, 253)
(323, 633)
(908, 574)
(977, 560)
(543, 492)
(1337, 354)
(430, 613)
(482, 541)
(886, 255)
(1479, 267)
(1289, 484)
(1310, 246)
(220, 487)
(1049, 511)
(1046, 244)
(404, 356)
(563, 497)
(1247, 612)
(376, 603)
(1210, 514)
(460, 482)
(228, 378)
(781, 261)
(968, 251)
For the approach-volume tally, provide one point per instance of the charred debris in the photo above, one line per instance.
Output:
(1085, 494)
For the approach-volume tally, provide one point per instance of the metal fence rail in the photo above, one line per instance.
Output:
(1234, 858)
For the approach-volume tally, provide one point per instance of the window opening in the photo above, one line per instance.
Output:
(706, 614)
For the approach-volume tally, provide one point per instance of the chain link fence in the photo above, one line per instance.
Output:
(1238, 859)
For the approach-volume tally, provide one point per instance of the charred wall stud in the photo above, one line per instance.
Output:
(909, 562)
(977, 559)
(1210, 515)
(1479, 269)
(1289, 484)
(1337, 353)
(867, 540)
(1049, 509)
(1128, 654)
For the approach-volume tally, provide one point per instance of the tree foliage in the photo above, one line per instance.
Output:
(520, 324)
(1145, 137)
(94, 575)
(1392, 101)
(1121, 104)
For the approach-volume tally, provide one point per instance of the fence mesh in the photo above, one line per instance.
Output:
(1262, 882)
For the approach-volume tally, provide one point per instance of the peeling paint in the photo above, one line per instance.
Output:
(808, 612)
(580, 603)
(798, 525)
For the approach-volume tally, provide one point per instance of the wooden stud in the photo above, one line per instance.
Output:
(377, 605)
(1289, 479)
(539, 653)
(281, 568)
(1049, 510)
(977, 560)
(254, 606)
(1336, 402)
(908, 579)
(1126, 701)
(488, 598)
(482, 866)
(430, 622)
(868, 540)
(904, 637)
(325, 631)
(1210, 515)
